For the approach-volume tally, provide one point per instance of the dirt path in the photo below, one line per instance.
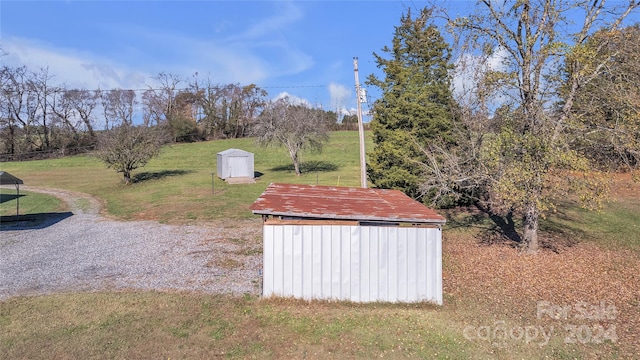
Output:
(78, 203)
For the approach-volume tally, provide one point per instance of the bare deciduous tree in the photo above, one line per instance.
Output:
(20, 108)
(295, 127)
(159, 102)
(84, 102)
(43, 91)
(227, 110)
(126, 147)
(527, 163)
(118, 107)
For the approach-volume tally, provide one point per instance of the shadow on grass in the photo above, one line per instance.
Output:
(32, 221)
(465, 217)
(157, 175)
(309, 166)
(495, 229)
(8, 197)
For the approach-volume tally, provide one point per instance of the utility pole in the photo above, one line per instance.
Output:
(363, 161)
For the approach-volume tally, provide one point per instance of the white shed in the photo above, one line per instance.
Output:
(235, 163)
(339, 243)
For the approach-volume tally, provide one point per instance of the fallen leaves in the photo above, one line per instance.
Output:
(503, 282)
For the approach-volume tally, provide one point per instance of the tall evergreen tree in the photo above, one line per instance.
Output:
(415, 105)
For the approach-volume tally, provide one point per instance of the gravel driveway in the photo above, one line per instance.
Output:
(83, 251)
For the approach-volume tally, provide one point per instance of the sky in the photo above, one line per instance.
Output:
(301, 48)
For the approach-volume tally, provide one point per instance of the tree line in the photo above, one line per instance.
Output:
(39, 118)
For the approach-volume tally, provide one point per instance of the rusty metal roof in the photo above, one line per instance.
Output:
(344, 203)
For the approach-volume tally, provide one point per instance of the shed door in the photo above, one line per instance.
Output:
(238, 166)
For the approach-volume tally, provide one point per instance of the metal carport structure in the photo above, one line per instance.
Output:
(8, 179)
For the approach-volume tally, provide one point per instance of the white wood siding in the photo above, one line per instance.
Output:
(356, 263)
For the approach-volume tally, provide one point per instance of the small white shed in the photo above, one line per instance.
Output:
(235, 163)
(339, 243)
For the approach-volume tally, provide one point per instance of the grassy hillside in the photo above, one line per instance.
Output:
(177, 186)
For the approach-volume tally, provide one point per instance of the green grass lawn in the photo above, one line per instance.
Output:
(29, 202)
(616, 226)
(163, 326)
(177, 188)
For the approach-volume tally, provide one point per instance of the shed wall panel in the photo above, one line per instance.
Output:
(437, 260)
(297, 254)
(327, 259)
(336, 257)
(355, 276)
(345, 262)
(421, 262)
(221, 164)
(365, 266)
(392, 260)
(412, 263)
(307, 263)
(267, 263)
(374, 269)
(278, 261)
(355, 263)
(402, 261)
(317, 258)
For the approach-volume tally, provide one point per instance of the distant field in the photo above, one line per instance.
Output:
(492, 294)
(178, 186)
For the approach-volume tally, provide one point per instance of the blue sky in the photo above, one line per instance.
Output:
(303, 48)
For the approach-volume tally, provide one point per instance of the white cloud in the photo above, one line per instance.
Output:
(256, 55)
(223, 62)
(345, 111)
(293, 99)
(72, 68)
(260, 52)
(339, 95)
(469, 69)
(497, 59)
(286, 14)
(226, 64)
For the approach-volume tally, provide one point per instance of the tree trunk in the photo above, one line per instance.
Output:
(296, 167)
(127, 177)
(12, 140)
(294, 158)
(530, 239)
(87, 123)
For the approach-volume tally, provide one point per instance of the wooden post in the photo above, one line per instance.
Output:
(17, 199)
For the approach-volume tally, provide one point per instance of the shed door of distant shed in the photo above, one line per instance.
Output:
(238, 166)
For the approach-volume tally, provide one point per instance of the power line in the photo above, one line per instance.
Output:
(293, 86)
(61, 89)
